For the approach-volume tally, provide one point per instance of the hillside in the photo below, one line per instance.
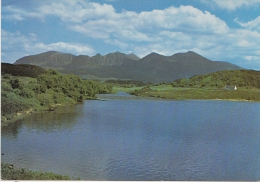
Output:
(153, 68)
(21, 70)
(214, 86)
(240, 78)
(22, 94)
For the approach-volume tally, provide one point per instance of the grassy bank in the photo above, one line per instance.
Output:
(182, 93)
(8, 172)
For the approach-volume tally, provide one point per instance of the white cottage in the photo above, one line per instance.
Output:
(231, 87)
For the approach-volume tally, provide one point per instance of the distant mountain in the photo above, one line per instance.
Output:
(53, 59)
(151, 68)
(21, 70)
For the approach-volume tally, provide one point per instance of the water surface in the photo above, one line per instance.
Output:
(130, 139)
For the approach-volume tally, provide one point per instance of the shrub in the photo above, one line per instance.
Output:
(15, 83)
(27, 93)
(45, 99)
(7, 76)
(6, 87)
(11, 103)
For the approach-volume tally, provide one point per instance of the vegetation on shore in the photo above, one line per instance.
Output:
(248, 79)
(180, 93)
(8, 172)
(22, 94)
(208, 86)
(125, 85)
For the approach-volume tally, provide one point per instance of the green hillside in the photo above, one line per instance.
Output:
(214, 86)
(240, 78)
(21, 94)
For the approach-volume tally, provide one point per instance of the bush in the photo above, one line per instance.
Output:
(11, 103)
(7, 76)
(15, 83)
(27, 93)
(45, 99)
(6, 87)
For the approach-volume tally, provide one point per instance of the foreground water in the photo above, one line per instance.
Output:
(128, 139)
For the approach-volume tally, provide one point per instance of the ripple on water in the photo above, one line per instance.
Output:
(142, 140)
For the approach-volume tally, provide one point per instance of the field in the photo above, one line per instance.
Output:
(167, 91)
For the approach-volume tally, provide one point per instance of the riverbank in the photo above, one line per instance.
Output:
(9, 172)
(183, 93)
(123, 96)
(25, 113)
(202, 94)
(22, 95)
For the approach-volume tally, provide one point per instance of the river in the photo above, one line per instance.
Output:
(127, 138)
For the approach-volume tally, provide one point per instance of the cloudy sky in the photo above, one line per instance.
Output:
(221, 30)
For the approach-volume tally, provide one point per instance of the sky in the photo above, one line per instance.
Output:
(220, 30)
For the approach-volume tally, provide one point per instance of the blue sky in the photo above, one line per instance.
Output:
(221, 30)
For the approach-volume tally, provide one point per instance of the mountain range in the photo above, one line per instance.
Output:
(153, 68)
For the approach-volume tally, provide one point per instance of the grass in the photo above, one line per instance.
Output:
(182, 93)
(161, 87)
(10, 173)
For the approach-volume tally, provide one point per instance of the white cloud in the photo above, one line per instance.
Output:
(165, 31)
(75, 48)
(15, 14)
(252, 58)
(252, 25)
(77, 11)
(101, 20)
(184, 18)
(116, 42)
(231, 5)
(252, 61)
(15, 45)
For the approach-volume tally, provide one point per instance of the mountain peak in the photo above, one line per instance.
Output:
(152, 55)
(188, 56)
(186, 53)
(98, 55)
(133, 56)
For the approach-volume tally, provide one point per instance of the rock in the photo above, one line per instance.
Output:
(51, 109)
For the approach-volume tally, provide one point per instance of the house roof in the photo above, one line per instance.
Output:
(230, 87)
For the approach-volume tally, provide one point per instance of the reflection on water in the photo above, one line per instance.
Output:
(61, 118)
(11, 130)
(140, 140)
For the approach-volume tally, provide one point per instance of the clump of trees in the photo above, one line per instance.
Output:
(46, 90)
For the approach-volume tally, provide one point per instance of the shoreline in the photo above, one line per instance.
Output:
(10, 172)
(106, 97)
(177, 93)
(26, 113)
